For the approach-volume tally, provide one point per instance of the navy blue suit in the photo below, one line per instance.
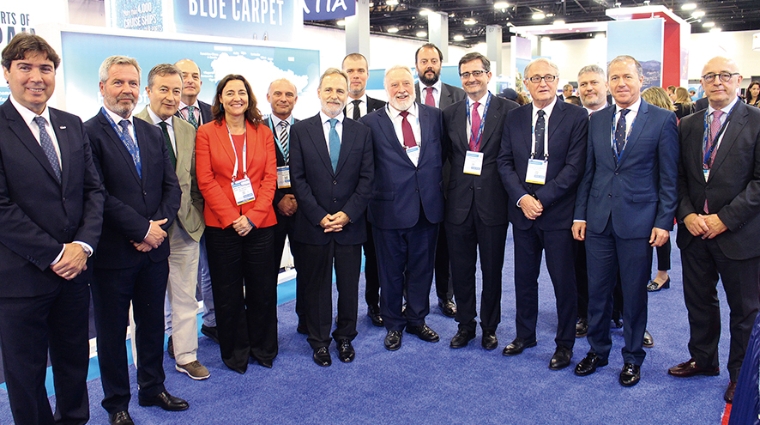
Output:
(404, 210)
(122, 273)
(320, 191)
(40, 311)
(621, 202)
(566, 131)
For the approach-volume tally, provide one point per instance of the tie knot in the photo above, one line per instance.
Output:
(190, 109)
(476, 105)
(624, 112)
(717, 114)
(333, 122)
(404, 114)
(541, 113)
(41, 123)
(356, 102)
(429, 90)
(284, 124)
(163, 125)
(124, 124)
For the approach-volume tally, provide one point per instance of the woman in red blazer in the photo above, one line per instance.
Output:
(237, 174)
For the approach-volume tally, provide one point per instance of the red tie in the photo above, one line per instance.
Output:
(429, 99)
(474, 128)
(406, 130)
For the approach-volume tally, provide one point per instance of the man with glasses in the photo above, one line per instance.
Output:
(625, 205)
(476, 203)
(719, 221)
(543, 153)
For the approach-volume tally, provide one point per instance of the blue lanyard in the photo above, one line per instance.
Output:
(706, 163)
(619, 155)
(270, 123)
(119, 131)
(479, 134)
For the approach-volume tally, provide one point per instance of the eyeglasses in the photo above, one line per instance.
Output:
(476, 74)
(724, 76)
(537, 78)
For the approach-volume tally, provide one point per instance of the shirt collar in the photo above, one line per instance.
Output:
(547, 109)
(276, 120)
(326, 118)
(363, 98)
(436, 86)
(633, 108)
(710, 109)
(591, 111)
(183, 105)
(27, 114)
(483, 100)
(117, 118)
(394, 113)
(157, 120)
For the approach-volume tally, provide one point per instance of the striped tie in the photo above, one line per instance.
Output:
(283, 136)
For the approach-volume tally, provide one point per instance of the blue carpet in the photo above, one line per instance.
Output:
(426, 383)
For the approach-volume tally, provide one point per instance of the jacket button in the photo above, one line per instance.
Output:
(335, 182)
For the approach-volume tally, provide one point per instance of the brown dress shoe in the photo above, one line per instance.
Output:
(729, 394)
(690, 368)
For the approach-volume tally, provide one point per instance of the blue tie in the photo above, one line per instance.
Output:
(334, 144)
(620, 131)
(129, 142)
(47, 146)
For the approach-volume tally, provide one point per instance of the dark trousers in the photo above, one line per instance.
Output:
(283, 229)
(315, 264)
(112, 291)
(607, 253)
(558, 247)
(444, 287)
(371, 275)
(30, 326)
(466, 239)
(245, 294)
(703, 263)
(406, 258)
(663, 256)
(581, 277)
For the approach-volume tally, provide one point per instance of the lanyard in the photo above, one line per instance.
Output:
(118, 129)
(479, 134)
(706, 163)
(546, 140)
(619, 155)
(245, 149)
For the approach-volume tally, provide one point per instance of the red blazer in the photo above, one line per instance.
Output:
(214, 162)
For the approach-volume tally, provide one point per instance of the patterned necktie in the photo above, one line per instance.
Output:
(168, 142)
(540, 130)
(334, 144)
(406, 131)
(47, 146)
(474, 128)
(357, 112)
(191, 116)
(132, 147)
(429, 99)
(714, 129)
(282, 136)
(620, 130)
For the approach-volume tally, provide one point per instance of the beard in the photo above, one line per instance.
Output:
(429, 81)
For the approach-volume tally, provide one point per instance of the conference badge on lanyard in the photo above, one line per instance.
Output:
(242, 188)
(473, 163)
(536, 173)
(283, 177)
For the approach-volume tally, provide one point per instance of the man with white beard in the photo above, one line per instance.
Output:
(406, 205)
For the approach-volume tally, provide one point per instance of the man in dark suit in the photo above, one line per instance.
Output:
(701, 104)
(431, 91)
(359, 104)
(719, 221)
(625, 205)
(282, 97)
(201, 114)
(406, 205)
(542, 158)
(51, 201)
(143, 197)
(332, 172)
(476, 203)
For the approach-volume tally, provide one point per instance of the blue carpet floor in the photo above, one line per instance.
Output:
(426, 383)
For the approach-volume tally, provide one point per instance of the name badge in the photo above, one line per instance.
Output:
(243, 191)
(283, 177)
(414, 155)
(536, 173)
(706, 173)
(473, 163)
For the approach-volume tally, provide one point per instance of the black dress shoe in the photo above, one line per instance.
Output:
(581, 327)
(424, 333)
(165, 401)
(374, 314)
(120, 418)
(517, 346)
(630, 375)
(393, 340)
(729, 394)
(210, 332)
(561, 358)
(654, 286)
(690, 368)
(266, 363)
(461, 339)
(588, 365)
(648, 340)
(489, 340)
(448, 308)
(322, 357)
(346, 351)
(170, 348)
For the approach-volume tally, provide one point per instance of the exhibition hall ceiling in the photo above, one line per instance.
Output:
(467, 19)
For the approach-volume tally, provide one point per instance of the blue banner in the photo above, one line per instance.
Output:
(247, 19)
(321, 10)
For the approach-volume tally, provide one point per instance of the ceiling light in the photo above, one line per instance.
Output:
(391, 2)
(559, 22)
(421, 34)
(715, 30)
(470, 21)
(425, 12)
(459, 37)
(708, 25)
(393, 30)
(538, 15)
(341, 23)
(688, 6)
(697, 14)
(500, 5)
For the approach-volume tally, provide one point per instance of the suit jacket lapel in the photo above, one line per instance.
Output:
(604, 146)
(460, 123)
(639, 123)
(251, 145)
(390, 134)
(491, 122)
(734, 128)
(555, 120)
(182, 139)
(19, 127)
(63, 145)
(346, 143)
(119, 144)
(317, 137)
